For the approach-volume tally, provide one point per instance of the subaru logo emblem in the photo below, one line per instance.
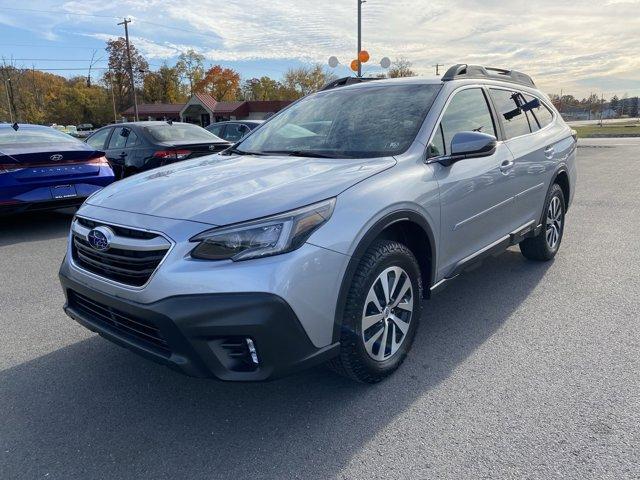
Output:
(100, 238)
(56, 158)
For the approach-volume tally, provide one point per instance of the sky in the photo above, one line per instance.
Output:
(578, 46)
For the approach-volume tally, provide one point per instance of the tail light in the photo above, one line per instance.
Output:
(172, 154)
(99, 161)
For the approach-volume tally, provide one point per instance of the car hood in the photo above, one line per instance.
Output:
(222, 189)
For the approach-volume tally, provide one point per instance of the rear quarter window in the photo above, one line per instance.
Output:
(542, 112)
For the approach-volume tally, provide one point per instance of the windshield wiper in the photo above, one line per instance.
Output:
(234, 150)
(300, 153)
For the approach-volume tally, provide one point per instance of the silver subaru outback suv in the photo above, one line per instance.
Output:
(316, 237)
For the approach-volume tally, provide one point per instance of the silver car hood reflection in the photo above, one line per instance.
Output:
(221, 189)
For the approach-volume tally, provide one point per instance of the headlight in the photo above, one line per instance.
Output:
(260, 238)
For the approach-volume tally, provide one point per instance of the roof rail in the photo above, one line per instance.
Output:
(343, 82)
(462, 71)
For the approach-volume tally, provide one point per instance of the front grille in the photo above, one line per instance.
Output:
(141, 331)
(122, 231)
(130, 266)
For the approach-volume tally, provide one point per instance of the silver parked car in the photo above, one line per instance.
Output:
(307, 245)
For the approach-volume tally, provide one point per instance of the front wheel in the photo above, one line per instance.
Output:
(545, 245)
(382, 313)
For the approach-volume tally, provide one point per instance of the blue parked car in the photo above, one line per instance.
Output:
(42, 169)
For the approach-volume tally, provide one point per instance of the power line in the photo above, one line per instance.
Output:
(186, 30)
(33, 45)
(50, 59)
(37, 10)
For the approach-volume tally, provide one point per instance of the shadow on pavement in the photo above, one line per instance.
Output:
(94, 410)
(29, 227)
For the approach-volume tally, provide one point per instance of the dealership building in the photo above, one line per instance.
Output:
(202, 109)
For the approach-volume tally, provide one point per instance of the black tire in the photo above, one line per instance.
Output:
(354, 361)
(539, 248)
(128, 171)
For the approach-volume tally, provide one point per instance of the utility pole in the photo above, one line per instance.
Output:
(126, 22)
(601, 107)
(437, 67)
(90, 65)
(360, 2)
(589, 114)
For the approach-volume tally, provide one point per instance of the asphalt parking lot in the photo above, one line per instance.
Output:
(519, 370)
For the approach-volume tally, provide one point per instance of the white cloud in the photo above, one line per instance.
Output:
(562, 45)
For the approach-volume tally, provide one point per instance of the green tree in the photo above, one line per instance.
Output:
(263, 88)
(302, 81)
(163, 86)
(190, 67)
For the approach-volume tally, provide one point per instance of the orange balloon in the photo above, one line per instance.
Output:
(354, 65)
(363, 56)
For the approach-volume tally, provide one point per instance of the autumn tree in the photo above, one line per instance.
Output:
(190, 67)
(221, 83)
(118, 74)
(302, 81)
(163, 86)
(401, 67)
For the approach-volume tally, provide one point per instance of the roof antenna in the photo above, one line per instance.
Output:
(15, 126)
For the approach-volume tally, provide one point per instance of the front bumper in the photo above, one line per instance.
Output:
(202, 335)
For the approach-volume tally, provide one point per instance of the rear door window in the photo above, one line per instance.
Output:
(98, 139)
(118, 139)
(514, 118)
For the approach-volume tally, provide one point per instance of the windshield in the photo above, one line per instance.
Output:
(373, 121)
(33, 136)
(178, 132)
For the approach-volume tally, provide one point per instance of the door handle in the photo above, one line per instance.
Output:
(549, 152)
(506, 166)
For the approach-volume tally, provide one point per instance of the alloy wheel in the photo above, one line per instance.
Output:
(554, 223)
(387, 313)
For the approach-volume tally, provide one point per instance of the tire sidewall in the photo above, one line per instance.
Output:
(555, 191)
(408, 263)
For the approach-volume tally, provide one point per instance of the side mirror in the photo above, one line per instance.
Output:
(469, 145)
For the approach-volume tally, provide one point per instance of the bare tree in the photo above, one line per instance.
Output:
(401, 67)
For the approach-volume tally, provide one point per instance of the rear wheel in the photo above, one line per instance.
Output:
(545, 245)
(128, 171)
(381, 313)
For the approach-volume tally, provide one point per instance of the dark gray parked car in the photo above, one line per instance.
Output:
(138, 146)
(233, 130)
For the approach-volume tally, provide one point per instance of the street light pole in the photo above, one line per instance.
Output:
(126, 22)
(360, 2)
